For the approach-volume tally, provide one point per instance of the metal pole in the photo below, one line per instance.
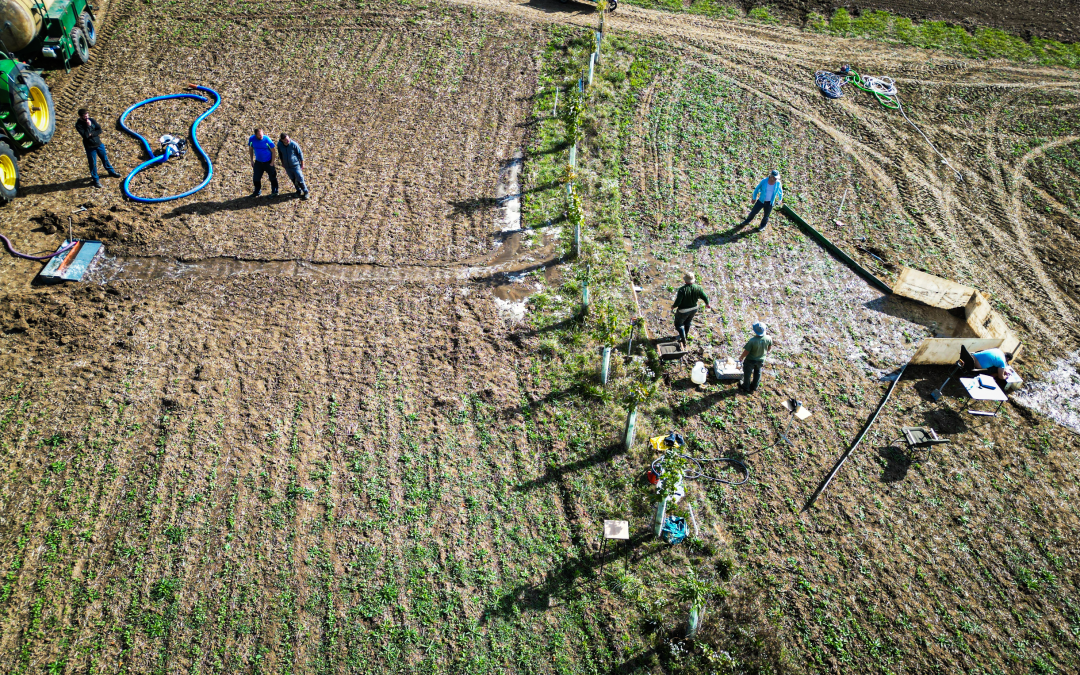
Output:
(783, 434)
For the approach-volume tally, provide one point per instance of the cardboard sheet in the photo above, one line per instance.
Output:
(931, 290)
(946, 351)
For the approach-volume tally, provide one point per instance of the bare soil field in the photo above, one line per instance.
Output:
(361, 433)
(1053, 19)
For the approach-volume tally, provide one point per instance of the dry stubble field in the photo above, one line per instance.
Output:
(279, 473)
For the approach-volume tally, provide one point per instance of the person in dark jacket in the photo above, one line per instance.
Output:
(292, 160)
(686, 305)
(90, 131)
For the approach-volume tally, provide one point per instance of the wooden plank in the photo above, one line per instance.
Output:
(946, 351)
(931, 290)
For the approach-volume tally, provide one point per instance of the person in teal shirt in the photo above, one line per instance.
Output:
(753, 356)
(767, 194)
(686, 305)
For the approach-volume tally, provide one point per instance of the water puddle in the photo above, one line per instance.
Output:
(147, 268)
(524, 262)
(508, 195)
(1057, 395)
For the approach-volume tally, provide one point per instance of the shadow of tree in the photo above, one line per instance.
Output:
(559, 583)
(552, 474)
(697, 406)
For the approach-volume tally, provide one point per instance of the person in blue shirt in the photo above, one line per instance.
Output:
(994, 361)
(261, 151)
(767, 194)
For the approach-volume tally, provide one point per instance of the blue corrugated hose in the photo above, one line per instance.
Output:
(161, 158)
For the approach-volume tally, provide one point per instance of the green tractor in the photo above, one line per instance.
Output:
(62, 30)
(27, 119)
(35, 31)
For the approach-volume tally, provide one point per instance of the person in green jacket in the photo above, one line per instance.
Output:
(686, 305)
(753, 356)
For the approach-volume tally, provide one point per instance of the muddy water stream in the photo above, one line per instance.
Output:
(518, 252)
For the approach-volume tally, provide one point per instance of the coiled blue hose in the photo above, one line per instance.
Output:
(161, 158)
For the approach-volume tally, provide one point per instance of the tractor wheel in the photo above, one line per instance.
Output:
(9, 173)
(86, 23)
(35, 116)
(82, 47)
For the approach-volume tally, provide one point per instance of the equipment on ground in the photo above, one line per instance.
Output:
(984, 388)
(797, 410)
(699, 373)
(882, 88)
(935, 395)
(33, 30)
(24, 256)
(158, 159)
(858, 440)
(72, 260)
(727, 370)
(695, 468)
(921, 437)
(674, 530)
(670, 351)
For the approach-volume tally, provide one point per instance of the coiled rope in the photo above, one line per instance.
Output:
(695, 470)
(125, 186)
(829, 83)
(884, 90)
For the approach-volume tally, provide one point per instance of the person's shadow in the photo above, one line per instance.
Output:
(48, 188)
(726, 237)
(237, 204)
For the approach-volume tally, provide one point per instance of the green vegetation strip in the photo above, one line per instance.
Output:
(832, 248)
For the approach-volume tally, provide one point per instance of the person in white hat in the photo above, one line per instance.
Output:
(753, 356)
(767, 194)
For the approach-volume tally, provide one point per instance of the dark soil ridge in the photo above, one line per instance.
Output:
(1048, 19)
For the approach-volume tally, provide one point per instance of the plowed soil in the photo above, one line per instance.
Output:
(1051, 19)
